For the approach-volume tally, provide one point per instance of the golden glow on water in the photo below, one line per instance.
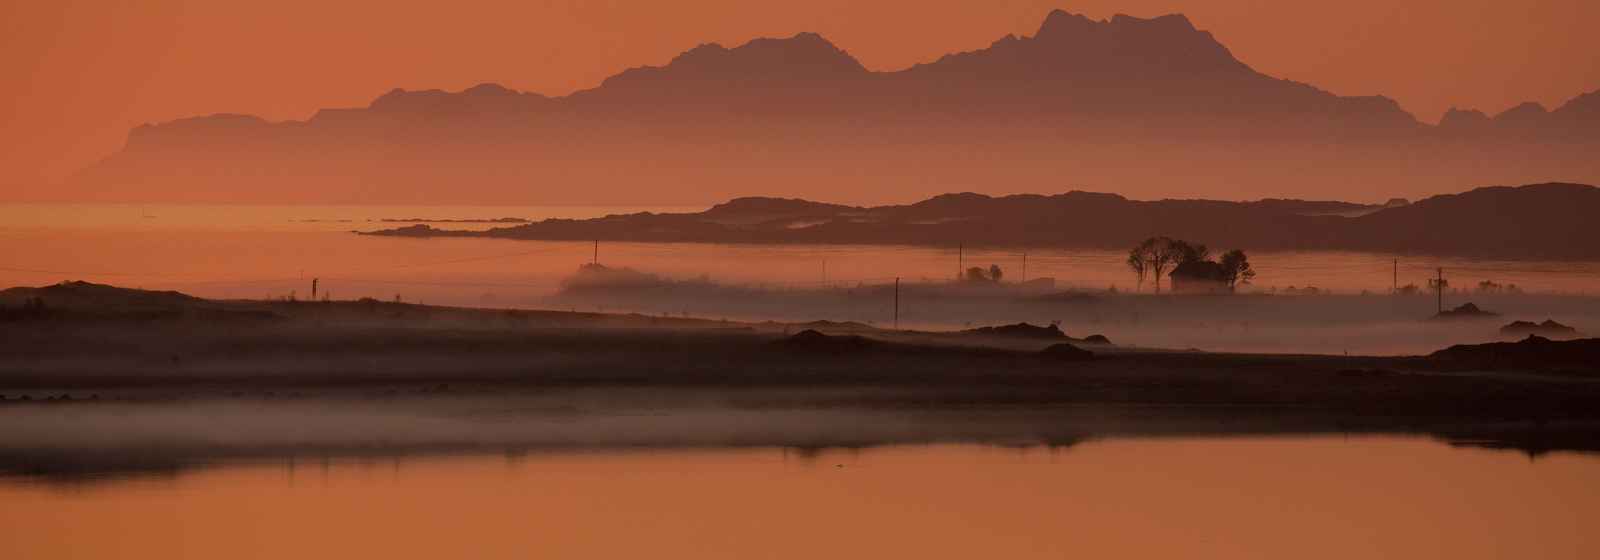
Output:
(1205, 498)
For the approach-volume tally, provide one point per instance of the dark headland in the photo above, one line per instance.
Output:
(259, 379)
(1551, 221)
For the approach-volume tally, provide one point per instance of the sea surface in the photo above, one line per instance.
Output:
(1224, 498)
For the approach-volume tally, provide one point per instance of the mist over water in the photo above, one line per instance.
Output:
(251, 252)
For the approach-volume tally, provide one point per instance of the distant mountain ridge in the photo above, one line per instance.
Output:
(1125, 102)
(1547, 221)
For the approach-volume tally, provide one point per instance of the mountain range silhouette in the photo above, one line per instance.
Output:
(1141, 106)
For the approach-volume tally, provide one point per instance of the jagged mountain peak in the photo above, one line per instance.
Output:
(804, 54)
(1463, 118)
(1126, 45)
(1173, 22)
(1525, 111)
(1061, 21)
(482, 98)
(1585, 105)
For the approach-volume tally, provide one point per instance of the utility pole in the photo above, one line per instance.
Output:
(596, 259)
(1394, 287)
(897, 303)
(1024, 267)
(824, 272)
(961, 260)
(313, 289)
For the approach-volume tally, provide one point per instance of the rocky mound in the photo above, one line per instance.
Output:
(1066, 353)
(1534, 353)
(815, 342)
(1549, 329)
(1465, 311)
(85, 300)
(80, 295)
(1019, 330)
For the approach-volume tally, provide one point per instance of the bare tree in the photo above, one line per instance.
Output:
(1138, 260)
(1166, 252)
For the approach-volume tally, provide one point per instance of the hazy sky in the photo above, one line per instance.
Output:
(76, 74)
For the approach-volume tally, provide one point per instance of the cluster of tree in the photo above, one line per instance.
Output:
(1438, 284)
(978, 274)
(1156, 255)
(1492, 287)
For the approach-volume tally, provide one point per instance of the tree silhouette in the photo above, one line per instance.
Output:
(978, 274)
(1438, 284)
(1236, 268)
(1187, 253)
(1157, 254)
(1139, 262)
(1165, 252)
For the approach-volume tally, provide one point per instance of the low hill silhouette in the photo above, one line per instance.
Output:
(1020, 330)
(85, 300)
(1534, 353)
(1534, 221)
(80, 295)
(1548, 329)
(1144, 105)
(1465, 312)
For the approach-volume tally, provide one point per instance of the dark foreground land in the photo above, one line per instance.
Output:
(99, 379)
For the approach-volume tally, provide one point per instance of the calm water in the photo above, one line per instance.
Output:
(1192, 498)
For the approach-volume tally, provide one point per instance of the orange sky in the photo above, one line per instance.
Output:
(76, 74)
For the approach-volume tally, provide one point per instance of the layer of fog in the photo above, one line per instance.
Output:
(1271, 323)
(74, 441)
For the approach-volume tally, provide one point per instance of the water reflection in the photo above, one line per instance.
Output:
(1300, 497)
